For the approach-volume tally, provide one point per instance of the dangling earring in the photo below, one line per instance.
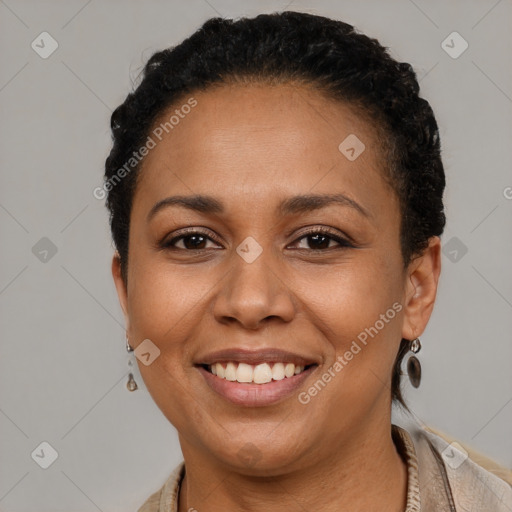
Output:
(413, 363)
(131, 384)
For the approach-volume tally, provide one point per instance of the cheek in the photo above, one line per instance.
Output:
(163, 297)
(351, 296)
(164, 304)
(359, 314)
(358, 309)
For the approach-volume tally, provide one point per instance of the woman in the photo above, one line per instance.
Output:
(275, 189)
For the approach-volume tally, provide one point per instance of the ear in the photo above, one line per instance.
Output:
(121, 288)
(420, 289)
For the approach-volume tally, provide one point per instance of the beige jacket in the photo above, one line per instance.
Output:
(442, 477)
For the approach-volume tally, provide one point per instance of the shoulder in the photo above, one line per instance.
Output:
(165, 499)
(152, 504)
(448, 468)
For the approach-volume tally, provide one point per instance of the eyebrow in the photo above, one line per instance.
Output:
(292, 205)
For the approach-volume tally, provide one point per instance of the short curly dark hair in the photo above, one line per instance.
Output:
(293, 47)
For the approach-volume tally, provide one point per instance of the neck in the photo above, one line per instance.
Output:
(366, 473)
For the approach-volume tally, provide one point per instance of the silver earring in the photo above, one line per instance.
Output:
(413, 363)
(131, 384)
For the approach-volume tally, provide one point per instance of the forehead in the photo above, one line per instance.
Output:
(259, 141)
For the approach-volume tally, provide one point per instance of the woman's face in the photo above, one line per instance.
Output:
(275, 273)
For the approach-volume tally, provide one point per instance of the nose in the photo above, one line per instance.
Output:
(253, 294)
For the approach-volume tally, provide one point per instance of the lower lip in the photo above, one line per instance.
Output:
(255, 395)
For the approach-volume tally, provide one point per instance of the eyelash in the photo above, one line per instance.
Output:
(343, 242)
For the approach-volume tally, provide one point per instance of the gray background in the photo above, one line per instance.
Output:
(63, 364)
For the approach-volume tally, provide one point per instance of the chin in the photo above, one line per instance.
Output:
(256, 455)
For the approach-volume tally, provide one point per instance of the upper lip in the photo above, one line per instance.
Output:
(267, 355)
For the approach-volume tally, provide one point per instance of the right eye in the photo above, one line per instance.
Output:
(192, 240)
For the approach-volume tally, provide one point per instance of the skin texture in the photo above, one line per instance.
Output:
(252, 146)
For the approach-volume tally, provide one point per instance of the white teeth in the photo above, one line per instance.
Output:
(244, 373)
(221, 371)
(289, 370)
(230, 371)
(262, 374)
(278, 371)
(258, 374)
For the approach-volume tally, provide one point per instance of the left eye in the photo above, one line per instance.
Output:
(322, 240)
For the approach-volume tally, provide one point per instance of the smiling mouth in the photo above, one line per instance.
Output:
(255, 374)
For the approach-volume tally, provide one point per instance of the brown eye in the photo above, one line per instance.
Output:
(191, 240)
(319, 240)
